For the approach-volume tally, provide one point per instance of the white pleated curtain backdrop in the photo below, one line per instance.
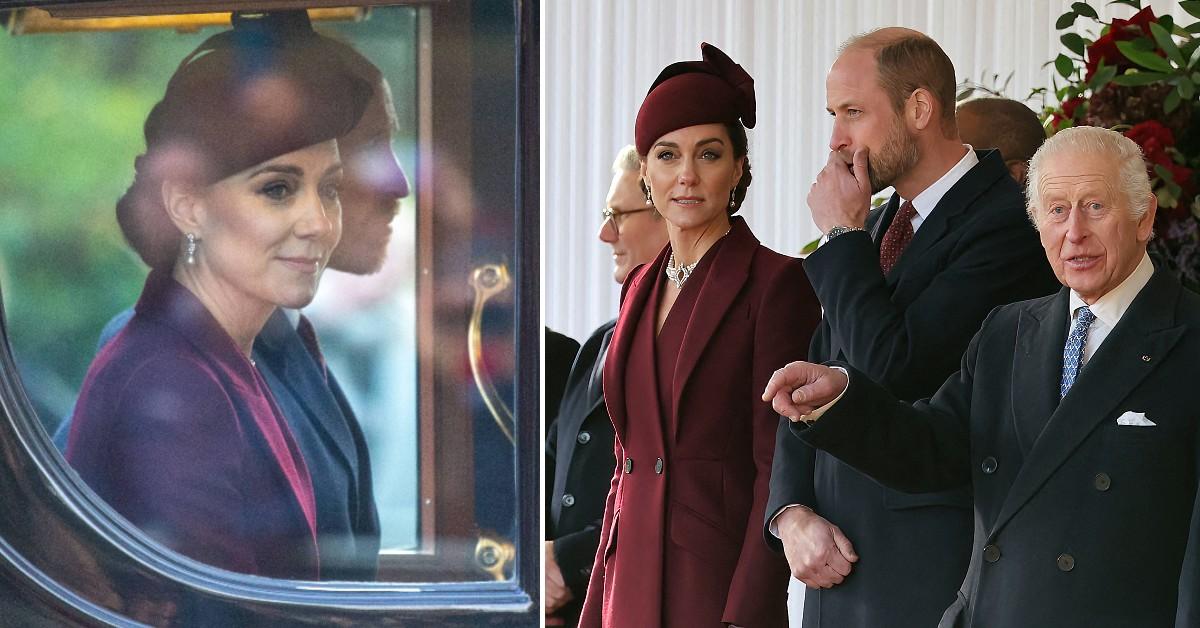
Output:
(600, 56)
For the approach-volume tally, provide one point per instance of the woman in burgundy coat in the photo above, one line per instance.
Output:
(700, 331)
(234, 207)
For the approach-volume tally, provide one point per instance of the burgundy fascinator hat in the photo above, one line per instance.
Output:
(687, 93)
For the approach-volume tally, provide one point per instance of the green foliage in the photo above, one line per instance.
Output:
(73, 110)
(1084, 9)
(1135, 77)
(1147, 60)
(1074, 42)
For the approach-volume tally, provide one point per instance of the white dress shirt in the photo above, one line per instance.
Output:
(924, 202)
(1110, 307)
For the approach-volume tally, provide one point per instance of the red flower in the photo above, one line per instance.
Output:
(1070, 105)
(1154, 138)
(1120, 30)
(1183, 178)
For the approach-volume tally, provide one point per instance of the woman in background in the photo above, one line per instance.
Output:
(235, 208)
(700, 331)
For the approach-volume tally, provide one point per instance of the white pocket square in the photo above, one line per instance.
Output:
(1135, 418)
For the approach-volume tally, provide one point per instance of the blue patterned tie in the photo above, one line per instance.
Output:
(1073, 353)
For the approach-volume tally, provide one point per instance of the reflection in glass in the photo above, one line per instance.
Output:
(394, 335)
(194, 422)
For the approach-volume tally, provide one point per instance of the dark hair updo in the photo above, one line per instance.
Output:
(243, 97)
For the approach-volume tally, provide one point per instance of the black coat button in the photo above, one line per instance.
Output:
(1066, 562)
(991, 553)
(658, 466)
(629, 465)
(989, 465)
(1102, 482)
(583, 438)
(568, 500)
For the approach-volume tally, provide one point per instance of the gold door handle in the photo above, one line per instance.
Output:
(488, 281)
(494, 555)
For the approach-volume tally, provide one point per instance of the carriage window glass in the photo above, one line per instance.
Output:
(382, 441)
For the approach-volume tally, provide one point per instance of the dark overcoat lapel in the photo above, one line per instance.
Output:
(301, 376)
(1037, 367)
(575, 410)
(1133, 350)
(956, 200)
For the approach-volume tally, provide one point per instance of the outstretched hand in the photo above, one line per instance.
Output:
(801, 387)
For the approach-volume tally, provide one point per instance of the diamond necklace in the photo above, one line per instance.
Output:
(680, 274)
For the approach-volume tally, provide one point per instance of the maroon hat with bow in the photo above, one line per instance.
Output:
(688, 93)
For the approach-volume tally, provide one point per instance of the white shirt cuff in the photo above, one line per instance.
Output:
(816, 414)
(773, 527)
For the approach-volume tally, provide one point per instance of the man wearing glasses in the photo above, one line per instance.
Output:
(579, 448)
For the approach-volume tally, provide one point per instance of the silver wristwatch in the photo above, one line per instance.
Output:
(839, 230)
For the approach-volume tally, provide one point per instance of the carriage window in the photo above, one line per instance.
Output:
(317, 379)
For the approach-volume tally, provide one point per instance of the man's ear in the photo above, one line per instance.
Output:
(920, 110)
(185, 206)
(1018, 169)
(1145, 224)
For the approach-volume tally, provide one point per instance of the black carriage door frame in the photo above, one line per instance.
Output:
(65, 558)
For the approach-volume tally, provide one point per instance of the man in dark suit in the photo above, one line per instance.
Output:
(579, 448)
(903, 288)
(1072, 419)
(1005, 125)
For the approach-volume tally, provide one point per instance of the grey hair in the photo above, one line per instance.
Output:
(1132, 178)
(627, 160)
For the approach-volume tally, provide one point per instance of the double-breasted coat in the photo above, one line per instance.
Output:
(680, 542)
(1081, 518)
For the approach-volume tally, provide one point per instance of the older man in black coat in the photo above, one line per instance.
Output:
(1073, 418)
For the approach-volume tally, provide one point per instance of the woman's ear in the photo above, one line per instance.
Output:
(184, 205)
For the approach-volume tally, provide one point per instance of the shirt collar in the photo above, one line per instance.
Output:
(932, 195)
(1111, 306)
(293, 316)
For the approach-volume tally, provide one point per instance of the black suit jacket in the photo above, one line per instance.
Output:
(560, 354)
(906, 330)
(1079, 520)
(579, 453)
(334, 449)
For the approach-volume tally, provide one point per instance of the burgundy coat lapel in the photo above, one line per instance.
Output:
(728, 274)
(188, 316)
(641, 284)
